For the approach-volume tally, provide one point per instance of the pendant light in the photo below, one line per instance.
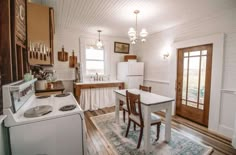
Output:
(99, 42)
(133, 33)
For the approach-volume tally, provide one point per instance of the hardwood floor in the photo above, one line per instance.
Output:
(97, 146)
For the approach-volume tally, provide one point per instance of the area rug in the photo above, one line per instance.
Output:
(114, 135)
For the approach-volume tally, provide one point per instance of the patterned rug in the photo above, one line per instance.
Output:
(114, 135)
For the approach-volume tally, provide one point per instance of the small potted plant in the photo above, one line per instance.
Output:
(41, 83)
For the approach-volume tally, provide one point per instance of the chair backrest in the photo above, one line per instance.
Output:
(145, 88)
(134, 105)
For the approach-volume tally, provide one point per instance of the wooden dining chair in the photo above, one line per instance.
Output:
(125, 109)
(145, 88)
(135, 115)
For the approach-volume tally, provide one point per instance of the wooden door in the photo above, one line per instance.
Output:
(193, 83)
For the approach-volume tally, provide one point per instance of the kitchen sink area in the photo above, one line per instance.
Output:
(93, 95)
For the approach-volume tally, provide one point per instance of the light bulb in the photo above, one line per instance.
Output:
(133, 42)
(132, 32)
(143, 33)
(99, 44)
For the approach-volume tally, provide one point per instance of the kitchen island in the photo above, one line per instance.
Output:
(93, 95)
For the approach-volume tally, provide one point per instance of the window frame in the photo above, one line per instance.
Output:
(104, 60)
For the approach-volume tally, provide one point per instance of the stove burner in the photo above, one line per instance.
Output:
(68, 107)
(42, 97)
(62, 95)
(38, 111)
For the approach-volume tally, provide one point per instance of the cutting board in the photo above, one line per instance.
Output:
(72, 60)
(62, 55)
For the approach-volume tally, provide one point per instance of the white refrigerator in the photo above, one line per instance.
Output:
(131, 73)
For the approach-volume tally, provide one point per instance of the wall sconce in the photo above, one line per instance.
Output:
(166, 55)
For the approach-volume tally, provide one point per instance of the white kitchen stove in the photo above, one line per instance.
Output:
(55, 102)
(49, 125)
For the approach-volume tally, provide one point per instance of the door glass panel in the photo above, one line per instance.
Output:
(185, 54)
(200, 106)
(193, 79)
(194, 53)
(204, 52)
(184, 102)
(202, 80)
(185, 74)
(192, 104)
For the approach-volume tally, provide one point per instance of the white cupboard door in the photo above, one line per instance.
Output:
(122, 69)
(134, 82)
(135, 68)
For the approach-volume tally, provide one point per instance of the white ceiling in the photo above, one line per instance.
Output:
(115, 17)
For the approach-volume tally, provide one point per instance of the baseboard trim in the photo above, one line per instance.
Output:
(226, 131)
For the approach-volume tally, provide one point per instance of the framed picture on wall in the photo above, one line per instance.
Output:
(121, 47)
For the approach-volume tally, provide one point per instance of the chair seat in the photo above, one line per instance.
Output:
(154, 118)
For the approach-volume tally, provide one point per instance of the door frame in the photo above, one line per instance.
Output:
(203, 120)
(216, 79)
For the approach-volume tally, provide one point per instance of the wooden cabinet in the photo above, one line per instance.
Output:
(40, 26)
(13, 40)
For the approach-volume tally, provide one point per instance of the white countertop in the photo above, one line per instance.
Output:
(97, 82)
(146, 98)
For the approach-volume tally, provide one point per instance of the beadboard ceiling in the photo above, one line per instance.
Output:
(115, 17)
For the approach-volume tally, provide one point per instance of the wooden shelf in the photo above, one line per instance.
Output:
(58, 88)
(39, 58)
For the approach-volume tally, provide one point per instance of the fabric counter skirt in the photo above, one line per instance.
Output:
(97, 98)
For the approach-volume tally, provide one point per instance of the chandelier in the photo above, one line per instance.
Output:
(133, 33)
(99, 42)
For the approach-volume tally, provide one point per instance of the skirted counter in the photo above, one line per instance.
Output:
(96, 94)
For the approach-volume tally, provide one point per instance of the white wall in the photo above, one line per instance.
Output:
(63, 72)
(159, 72)
(70, 40)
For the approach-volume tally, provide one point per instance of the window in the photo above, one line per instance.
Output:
(94, 61)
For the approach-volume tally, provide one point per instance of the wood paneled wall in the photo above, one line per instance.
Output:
(13, 36)
(5, 46)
